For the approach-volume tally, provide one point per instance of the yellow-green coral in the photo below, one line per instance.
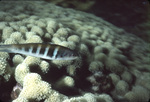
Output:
(5, 70)
(35, 88)
(30, 61)
(20, 72)
(44, 66)
(17, 59)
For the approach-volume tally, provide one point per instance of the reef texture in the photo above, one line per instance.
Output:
(113, 66)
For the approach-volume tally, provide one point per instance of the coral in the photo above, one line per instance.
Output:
(138, 94)
(20, 99)
(100, 57)
(17, 59)
(144, 80)
(34, 87)
(69, 44)
(115, 78)
(56, 40)
(61, 63)
(23, 29)
(56, 97)
(126, 76)
(74, 38)
(30, 61)
(2, 25)
(37, 30)
(34, 39)
(96, 66)
(122, 87)
(97, 49)
(100, 82)
(71, 70)
(4, 55)
(62, 32)
(44, 66)
(89, 97)
(20, 72)
(112, 64)
(80, 99)
(10, 41)
(17, 36)
(85, 35)
(40, 23)
(5, 70)
(84, 49)
(47, 36)
(51, 24)
(66, 81)
(6, 32)
(28, 35)
(104, 98)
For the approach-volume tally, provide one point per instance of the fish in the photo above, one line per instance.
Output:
(43, 50)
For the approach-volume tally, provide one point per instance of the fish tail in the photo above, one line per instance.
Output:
(5, 48)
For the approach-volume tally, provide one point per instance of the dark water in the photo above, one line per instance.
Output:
(131, 15)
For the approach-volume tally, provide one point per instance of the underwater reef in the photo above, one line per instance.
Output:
(113, 66)
(131, 15)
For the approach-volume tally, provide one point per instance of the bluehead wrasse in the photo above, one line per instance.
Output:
(45, 51)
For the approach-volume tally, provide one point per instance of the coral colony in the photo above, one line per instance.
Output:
(113, 65)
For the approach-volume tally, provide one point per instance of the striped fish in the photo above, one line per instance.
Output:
(45, 51)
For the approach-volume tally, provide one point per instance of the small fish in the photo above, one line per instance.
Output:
(45, 51)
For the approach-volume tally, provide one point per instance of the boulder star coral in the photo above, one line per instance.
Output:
(113, 64)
